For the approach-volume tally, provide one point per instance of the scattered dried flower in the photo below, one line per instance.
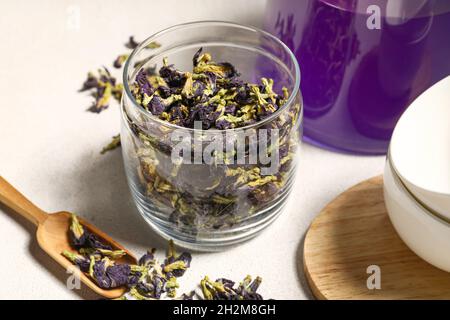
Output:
(120, 60)
(148, 280)
(115, 143)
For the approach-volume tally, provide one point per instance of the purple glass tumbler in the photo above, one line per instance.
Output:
(362, 62)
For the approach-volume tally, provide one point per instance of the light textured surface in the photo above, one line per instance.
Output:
(49, 146)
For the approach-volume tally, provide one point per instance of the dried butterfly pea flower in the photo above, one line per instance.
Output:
(102, 97)
(153, 45)
(79, 260)
(223, 289)
(187, 296)
(82, 238)
(143, 84)
(101, 253)
(115, 143)
(104, 86)
(118, 273)
(173, 77)
(97, 271)
(131, 44)
(117, 91)
(149, 280)
(77, 234)
(107, 274)
(148, 258)
(179, 265)
(90, 83)
(171, 286)
(157, 105)
(247, 288)
(213, 94)
(94, 242)
(195, 58)
(120, 60)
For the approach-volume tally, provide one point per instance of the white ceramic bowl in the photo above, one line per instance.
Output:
(424, 233)
(420, 148)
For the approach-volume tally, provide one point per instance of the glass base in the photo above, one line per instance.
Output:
(210, 240)
(216, 245)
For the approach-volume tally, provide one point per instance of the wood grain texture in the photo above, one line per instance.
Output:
(354, 232)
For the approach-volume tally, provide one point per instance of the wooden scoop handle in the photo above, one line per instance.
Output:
(16, 201)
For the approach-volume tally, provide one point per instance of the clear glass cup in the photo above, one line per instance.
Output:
(214, 198)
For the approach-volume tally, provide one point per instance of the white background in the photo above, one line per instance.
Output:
(49, 146)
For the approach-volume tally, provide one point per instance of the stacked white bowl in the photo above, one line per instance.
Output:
(417, 176)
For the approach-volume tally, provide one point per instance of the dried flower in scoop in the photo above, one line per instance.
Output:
(79, 260)
(82, 238)
(118, 273)
(149, 280)
(94, 242)
(78, 235)
(107, 274)
(101, 253)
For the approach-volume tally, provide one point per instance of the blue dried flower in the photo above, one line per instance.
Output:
(265, 110)
(158, 284)
(198, 87)
(107, 274)
(144, 85)
(146, 289)
(81, 261)
(206, 114)
(247, 288)
(134, 279)
(222, 289)
(77, 234)
(212, 80)
(92, 241)
(173, 77)
(195, 59)
(243, 96)
(147, 258)
(230, 70)
(223, 124)
(97, 271)
(175, 265)
(164, 91)
(120, 60)
(230, 109)
(131, 44)
(90, 83)
(118, 274)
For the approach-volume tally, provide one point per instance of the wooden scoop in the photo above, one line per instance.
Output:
(53, 237)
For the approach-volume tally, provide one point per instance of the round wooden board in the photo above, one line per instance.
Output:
(354, 232)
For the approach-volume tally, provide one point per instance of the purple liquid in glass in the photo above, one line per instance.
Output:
(359, 76)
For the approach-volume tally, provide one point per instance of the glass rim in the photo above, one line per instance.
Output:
(207, 23)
